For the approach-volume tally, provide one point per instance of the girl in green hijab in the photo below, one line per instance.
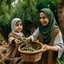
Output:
(50, 35)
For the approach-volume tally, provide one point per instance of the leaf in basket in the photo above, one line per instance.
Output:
(32, 48)
(36, 47)
(23, 40)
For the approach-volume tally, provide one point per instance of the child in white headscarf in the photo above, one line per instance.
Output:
(14, 39)
(14, 42)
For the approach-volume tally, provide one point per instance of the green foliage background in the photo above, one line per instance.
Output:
(28, 11)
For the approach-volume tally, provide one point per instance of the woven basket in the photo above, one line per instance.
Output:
(33, 56)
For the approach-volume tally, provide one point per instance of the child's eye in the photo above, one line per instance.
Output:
(20, 24)
(43, 17)
(17, 25)
(40, 17)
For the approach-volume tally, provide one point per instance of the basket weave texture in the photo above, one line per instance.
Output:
(33, 56)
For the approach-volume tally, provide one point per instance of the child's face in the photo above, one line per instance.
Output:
(18, 27)
(43, 19)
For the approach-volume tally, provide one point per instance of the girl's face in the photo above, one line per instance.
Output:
(18, 27)
(43, 19)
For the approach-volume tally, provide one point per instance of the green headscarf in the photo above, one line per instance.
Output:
(46, 31)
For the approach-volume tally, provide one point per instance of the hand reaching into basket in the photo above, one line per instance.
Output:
(28, 41)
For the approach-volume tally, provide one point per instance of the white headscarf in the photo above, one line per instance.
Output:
(13, 23)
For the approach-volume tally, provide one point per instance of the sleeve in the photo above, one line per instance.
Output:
(10, 38)
(10, 35)
(58, 42)
(35, 35)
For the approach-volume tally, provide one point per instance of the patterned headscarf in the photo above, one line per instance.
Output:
(46, 31)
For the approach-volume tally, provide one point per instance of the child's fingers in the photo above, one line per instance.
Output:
(17, 41)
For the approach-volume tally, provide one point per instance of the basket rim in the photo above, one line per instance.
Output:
(31, 52)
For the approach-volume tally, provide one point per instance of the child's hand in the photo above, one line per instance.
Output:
(17, 41)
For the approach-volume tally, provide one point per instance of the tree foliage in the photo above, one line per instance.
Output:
(27, 10)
